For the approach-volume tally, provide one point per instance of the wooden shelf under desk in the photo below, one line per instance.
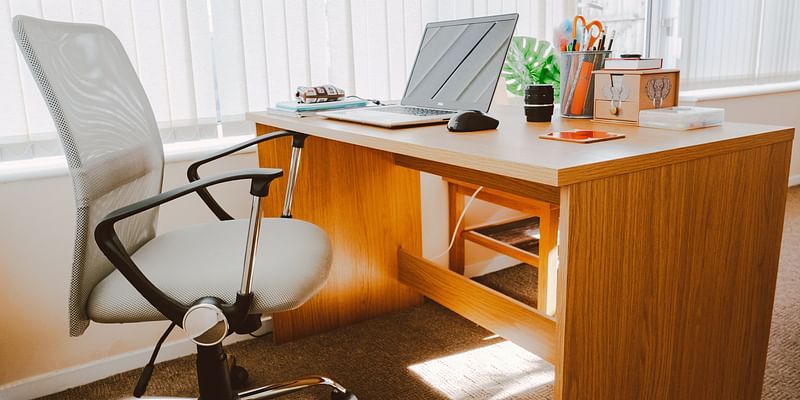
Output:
(530, 239)
(517, 238)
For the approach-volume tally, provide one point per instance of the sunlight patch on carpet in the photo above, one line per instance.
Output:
(498, 371)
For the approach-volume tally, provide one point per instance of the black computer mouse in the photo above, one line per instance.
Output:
(468, 121)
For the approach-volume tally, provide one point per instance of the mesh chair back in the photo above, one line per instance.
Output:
(109, 134)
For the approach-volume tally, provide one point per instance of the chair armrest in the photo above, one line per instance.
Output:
(106, 236)
(193, 175)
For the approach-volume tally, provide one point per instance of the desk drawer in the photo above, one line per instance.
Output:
(602, 83)
(626, 111)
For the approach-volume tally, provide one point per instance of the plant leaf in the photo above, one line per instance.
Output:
(530, 61)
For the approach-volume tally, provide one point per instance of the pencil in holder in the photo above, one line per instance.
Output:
(577, 82)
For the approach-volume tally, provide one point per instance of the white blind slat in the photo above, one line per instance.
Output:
(37, 118)
(90, 11)
(396, 45)
(178, 61)
(118, 18)
(13, 121)
(297, 40)
(255, 54)
(359, 19)
(412, 29)
(318, 52)
(277, 50)
(57, 9)
(340, 34)
(201, 61)
(147, 24)
(229, 58)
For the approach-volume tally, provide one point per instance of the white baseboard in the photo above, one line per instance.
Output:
(56, 381)
(794, 180)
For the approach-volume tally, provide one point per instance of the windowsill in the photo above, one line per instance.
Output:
(48, 167)
(731, 92)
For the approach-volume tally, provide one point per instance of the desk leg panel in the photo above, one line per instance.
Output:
(369, 207)
(667, 279)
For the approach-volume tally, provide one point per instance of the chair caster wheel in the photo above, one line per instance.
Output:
(346, 395)
(239, 377)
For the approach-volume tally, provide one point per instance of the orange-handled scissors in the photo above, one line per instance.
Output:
(588, 28)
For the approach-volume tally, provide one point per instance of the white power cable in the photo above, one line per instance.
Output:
(460, 219)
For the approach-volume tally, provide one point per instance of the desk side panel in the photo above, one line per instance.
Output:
(369, 207)
(667, 278)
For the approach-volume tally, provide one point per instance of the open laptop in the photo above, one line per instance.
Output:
(457, 68)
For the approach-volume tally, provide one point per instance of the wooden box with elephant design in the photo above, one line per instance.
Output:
(619, 95)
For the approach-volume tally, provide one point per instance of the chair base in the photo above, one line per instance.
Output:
(277, 390)
(214, 381)
(280, 389)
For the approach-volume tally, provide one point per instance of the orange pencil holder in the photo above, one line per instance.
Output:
(577, 82)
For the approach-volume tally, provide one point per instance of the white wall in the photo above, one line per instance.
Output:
(773, 108)
(36, 238)
(436, 236)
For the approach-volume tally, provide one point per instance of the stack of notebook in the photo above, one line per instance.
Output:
(633, 63)
(296, 109)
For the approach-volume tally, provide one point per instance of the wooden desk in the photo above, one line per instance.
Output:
(667, 256)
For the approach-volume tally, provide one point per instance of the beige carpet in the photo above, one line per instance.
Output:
(429, 352)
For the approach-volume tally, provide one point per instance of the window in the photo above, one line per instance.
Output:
(205, 63)
(168, 42)
(715, 43)
(626, 18)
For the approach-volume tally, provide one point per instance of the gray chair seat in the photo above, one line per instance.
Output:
(292, 264)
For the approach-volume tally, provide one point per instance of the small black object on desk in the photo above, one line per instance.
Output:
(469, 121)
(539, 102)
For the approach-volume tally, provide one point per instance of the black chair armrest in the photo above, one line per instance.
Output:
(106, 236)
(193, 175)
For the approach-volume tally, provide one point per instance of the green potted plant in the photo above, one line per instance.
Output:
(531, 61)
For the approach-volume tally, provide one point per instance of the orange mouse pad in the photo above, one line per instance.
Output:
(582, 136)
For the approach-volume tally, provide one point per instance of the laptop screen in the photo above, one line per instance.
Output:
(459, 62)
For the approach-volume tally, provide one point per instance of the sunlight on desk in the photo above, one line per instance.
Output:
(499, 371)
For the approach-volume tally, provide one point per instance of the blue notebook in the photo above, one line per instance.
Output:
(330, 105)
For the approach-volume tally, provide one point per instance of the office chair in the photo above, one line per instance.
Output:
(188, 276)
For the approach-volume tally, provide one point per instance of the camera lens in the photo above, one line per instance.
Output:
(539, 103)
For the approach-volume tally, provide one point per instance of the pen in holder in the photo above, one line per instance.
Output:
(577, 84)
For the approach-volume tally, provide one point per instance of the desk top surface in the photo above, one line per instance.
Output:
(515, 149)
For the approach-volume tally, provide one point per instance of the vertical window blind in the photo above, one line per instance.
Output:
(715, 43)
(205, 63)
(725, 42)
(168, 42)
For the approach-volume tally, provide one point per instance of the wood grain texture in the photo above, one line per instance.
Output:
(369, 207)
(669, 156)
(522, 188)
(667, 278)
(493, 310)
(502, 247)
(498, 223)
(548, 260)
(505, 199)
(515, 151)
(455, 205)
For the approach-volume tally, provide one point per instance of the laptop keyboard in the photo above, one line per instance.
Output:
(416, 111)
